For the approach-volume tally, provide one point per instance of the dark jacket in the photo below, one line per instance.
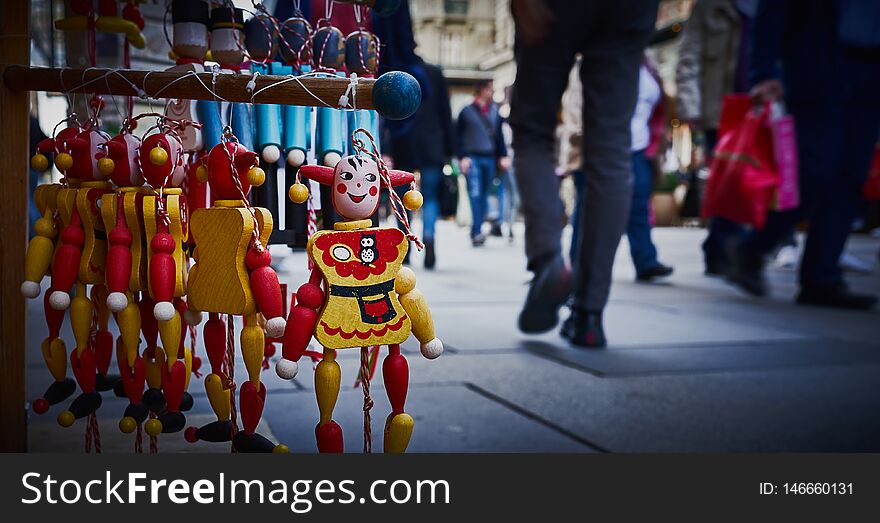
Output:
(425, 139)
(480, 133)
(818, 49)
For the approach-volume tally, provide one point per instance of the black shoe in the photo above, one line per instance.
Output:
(714, 268)
(584, 329)
(496, 230)
(548, 291)
(430, 256)
(658, 271)
(478, 240)
(745, 269)
(836, 296)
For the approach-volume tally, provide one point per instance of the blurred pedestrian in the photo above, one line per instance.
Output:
(611, 36)
(424, 142)
(481, 152)
(648, 129)
(823, 58)
(712, 62)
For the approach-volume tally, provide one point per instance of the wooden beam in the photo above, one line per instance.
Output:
(14, 135)
(308, 91)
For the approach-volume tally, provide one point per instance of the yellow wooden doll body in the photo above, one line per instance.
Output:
(219, 282)
(359, 268)
(94, 252)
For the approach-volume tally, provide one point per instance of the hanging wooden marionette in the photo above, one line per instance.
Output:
(79, 261)
(166, 232)
(38, 259)
(232, 275)
(367, 298)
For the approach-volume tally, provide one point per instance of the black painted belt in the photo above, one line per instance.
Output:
(346, 291)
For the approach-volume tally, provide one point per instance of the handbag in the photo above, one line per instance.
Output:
(448, 195)
(743, 179)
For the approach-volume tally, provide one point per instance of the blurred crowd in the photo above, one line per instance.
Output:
(588, 103)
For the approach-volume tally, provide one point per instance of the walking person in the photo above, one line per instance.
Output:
(611, 36)
(827, 70)
(648, 129)
(481, 151)
(424, 142)
(713, 62)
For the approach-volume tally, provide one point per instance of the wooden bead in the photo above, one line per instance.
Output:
(163, 272)
(253, 344)
(127, 425)
(215, 341)
(202, 173)
(398, 432)
(298, 193)
(395, 374)
(65, 264)
(106, 167)
(327, 377)
(218, 396)
(158, 156)
(63, 161)
(256, 176)
(266, 290)
(38, 257)
(40, 163)
(413, 200)
(251, 401)
(153, 427)
(66, 418)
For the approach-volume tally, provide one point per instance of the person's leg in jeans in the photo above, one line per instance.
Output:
(432, 178)
(477, 194)
(609, 73)
(638, 229)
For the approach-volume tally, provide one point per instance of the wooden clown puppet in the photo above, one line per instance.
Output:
(232, 276)
(358, 295)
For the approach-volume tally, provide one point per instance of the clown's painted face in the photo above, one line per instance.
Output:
(356, 187)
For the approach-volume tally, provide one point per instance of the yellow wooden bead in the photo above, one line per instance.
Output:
(405, 281)
(66, 418)
(298, 193)
(106, 166)
(39, 162)
(256, 176)
(127, 424)
(202, 173)
(45, 227)
(63, 161)
(153, 427)
(281, 449)
(158, 156)
(412, 200)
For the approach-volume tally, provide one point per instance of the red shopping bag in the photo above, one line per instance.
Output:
(743, 178)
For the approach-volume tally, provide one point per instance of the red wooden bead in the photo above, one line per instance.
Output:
(149, 326)
(54, 317)
(41, 405)
(215, 341)
(163, 275)
(310, 295)
(191, 434)
(103, 350)
(395, 373)
(251, 406)
(329, 437)
(300, 327)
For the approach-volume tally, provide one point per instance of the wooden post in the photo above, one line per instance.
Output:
(14, 135)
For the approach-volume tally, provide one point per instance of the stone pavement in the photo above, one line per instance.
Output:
(692, 366)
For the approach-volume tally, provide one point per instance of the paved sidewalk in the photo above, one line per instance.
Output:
(693, 366)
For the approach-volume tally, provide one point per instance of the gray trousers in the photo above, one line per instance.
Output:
(611, 36)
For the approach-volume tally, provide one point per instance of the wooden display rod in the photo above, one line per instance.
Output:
(308, 91)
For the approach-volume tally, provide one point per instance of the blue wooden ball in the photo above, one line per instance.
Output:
(396, 95)
(386, 7)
